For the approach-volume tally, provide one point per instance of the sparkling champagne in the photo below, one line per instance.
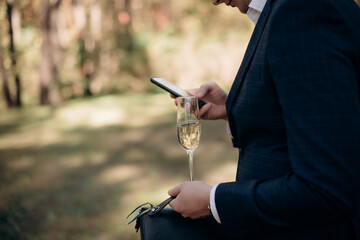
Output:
(189, 134)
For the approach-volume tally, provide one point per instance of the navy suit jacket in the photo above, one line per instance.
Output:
(294, 113)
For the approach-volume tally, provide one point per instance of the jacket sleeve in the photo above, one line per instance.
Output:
(313, 56)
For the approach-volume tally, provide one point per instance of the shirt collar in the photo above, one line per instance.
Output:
(255, 9)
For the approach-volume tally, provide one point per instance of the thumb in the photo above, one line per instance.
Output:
(202, 92)
(205, 89)
(193, 92)
(174, 191)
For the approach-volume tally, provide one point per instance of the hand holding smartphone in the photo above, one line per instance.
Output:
(173, 89)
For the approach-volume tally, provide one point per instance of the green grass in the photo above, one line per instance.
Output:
(76, 171)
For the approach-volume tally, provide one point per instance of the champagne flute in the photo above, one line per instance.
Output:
(188, 127)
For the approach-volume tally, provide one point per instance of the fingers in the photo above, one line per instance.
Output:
(228, 3)
(205, 109)
(175, 204)
(177, 208)
(216, 2)
(174, 97)
(175, 191)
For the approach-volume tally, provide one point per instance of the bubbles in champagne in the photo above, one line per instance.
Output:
(189, 134)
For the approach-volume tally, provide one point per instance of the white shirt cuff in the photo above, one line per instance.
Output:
(213, 204)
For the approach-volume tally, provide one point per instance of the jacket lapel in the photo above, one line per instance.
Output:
(254, 41)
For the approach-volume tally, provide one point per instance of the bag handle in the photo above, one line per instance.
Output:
(161, 206)
(152, 210)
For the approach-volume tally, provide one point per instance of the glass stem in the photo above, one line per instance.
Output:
(190, 154)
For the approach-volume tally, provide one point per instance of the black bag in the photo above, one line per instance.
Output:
(160, 223)
(170, 225)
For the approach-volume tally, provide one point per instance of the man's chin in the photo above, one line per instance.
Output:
(242, 11)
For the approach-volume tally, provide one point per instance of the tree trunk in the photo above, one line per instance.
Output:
(10, 7)
(90, 35)
(128, 10)
(49, 93)
(6, 92)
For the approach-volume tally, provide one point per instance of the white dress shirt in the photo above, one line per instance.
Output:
(255, 9)
(254, 12)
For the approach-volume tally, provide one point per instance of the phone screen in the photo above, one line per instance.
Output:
(169, 87)
(173, 89)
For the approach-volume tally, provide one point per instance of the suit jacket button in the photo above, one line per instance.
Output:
(241, 152)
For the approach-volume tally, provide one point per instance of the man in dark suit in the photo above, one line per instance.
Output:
(294, 115)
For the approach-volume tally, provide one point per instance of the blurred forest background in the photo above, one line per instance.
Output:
(56, 50)
(84, 136)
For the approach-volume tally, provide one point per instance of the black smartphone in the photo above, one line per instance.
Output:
(173, 89)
